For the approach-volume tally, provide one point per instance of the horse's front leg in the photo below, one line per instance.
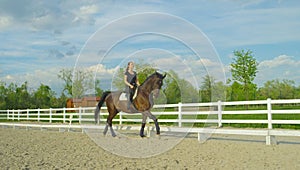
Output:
(151, 116)
(143, 126)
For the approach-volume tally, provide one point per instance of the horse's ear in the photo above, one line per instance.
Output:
(165, 75)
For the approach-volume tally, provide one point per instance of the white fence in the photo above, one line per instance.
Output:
(179, 116)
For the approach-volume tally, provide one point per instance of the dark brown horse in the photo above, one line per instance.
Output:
(141, 104)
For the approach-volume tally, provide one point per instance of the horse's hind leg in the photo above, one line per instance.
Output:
(110, 117)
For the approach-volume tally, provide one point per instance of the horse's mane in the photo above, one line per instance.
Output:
(150, 77)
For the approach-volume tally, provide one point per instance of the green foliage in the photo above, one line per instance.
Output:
(175, 89)
(78, 82)
(66, 76)
(179, 90)
(13, 96)
(206, 88)
(244, 69)
(43, 96)
(2, 95)
(211, 91)
(99, 91)
(172, 88)
(18, 97)
(277, 89)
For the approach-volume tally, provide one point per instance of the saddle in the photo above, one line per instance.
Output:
(123, 96)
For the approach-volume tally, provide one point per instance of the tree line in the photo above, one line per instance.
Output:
(79, 82)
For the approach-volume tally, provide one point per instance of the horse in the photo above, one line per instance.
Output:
(142, 103)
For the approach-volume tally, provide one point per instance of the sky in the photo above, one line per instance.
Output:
(193, 37)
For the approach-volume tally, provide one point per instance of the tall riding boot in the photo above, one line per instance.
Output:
(128, 101)
(128, 104)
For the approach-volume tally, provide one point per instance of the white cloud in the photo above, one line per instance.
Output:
(280, 67)
(35, 79)
(5, 21)
(102, 70)
(9, 77)
(89, 9)
(50, 77)
(228, 24)
(192, 70)
(282, 60)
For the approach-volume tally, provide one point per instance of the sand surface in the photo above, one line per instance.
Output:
(34, 149)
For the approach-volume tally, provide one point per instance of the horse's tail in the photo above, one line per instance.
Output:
(98, 107)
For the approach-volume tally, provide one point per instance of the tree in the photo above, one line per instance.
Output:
(244, 69)
(172, 90)
(276, 89)
(2, 95)
(78, 82)
(18, 97)
(82, 83)
(98, 90)
(236, 92)
(66, 76)
(179, 90)
(206, 88)
(210, 90)
(219, 91)
(44, 97)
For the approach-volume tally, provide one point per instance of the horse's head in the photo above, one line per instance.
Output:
(157, 83)
(154, 83)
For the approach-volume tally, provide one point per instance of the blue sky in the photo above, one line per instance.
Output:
(39, 38)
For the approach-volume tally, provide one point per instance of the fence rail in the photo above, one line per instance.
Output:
(183, 115)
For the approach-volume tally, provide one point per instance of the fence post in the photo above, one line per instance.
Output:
(7, 114)
(13, 114)
(270, 139)
(179, 114)
(50, 115)
(27, 114)
(39, 112)
(219, 113)
(64, 115)
(80, 110)
(269, 107)
(120, 119)
(18, 114)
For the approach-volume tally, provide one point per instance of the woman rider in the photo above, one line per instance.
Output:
(131, 81)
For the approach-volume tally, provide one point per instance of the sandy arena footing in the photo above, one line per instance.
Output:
(33, 149)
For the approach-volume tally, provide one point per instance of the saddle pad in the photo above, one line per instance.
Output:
(123, 95)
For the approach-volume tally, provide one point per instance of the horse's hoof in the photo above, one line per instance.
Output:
(143, 136)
